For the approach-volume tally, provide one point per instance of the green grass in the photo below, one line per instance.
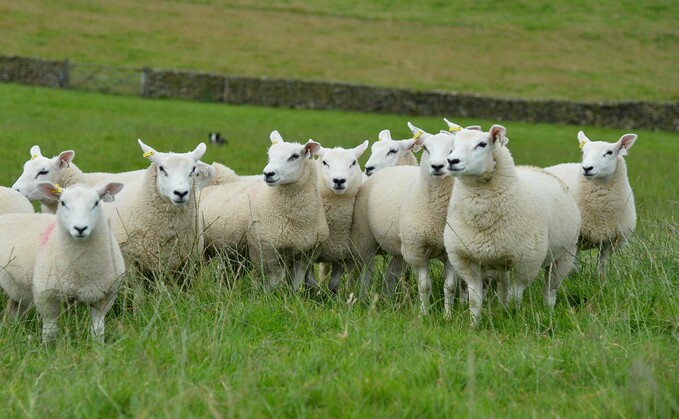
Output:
(604, 50)
(217, 347)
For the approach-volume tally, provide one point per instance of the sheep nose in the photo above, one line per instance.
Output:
(181, 195)
(437, 167)
(452, 162)
(269, 174)
(80, 230)
(369, 169)
(339, 182)
(587, 169)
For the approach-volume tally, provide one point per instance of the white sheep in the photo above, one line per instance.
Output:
(62, 171)
(603, 193)
(78, 259)
(288, 219)
(339, 181)
(386, 152)
(156, 220)
(422, 218)
(506, 218)
(13, 202)
(64, 257)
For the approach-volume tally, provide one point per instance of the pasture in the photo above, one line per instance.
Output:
(217, 347)
(604, 50)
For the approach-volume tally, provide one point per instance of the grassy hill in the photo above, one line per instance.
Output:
(604, 50)
(218, 347)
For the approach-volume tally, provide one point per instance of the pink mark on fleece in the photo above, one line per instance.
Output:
(46, 234)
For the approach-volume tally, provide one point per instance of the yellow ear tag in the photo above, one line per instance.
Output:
(148, 154)
(57, 189)
(33, 157)
(582, 144)
(455, 128)
(418, 135)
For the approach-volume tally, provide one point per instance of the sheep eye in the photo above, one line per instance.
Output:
(425, 148)
(325, 164)
(392, 151)
(96, 203)
(62, 203)
(193, 170)
(43, 172)
(609, 153)
(353, 164)
(482, 144)
(293, 157)
(162, 169)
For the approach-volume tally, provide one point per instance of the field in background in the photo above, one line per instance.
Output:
(219, 348)
(605, 50)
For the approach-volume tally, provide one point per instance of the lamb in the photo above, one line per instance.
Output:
(603, 193)
(386, 152)
(422, 218)
(67, 257)
(62, 171)
(339, 182)
(506, 218)
(288, 220)
(78, 260)
(156, 220)
(13, 202)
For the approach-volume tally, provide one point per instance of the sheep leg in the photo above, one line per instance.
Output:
(555, 273)
(502, 286)
(15, 310)
(98, 312)
(392, 275)
(324, 272)
(424, 287)
(335, 277)
(49, 310)
(471, 274)
(449, 289)
(299, 274)
(366, 276)
(605, 251)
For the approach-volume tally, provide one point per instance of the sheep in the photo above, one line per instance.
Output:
(422, 218)
(506, 218)
(288, 220)
(78, 259)
(339, 181)
(603, 193)
(13, 202)
(156, 220)
(62, 171)
(386, 152)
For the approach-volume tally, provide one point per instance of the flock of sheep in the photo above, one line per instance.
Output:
(466, 204)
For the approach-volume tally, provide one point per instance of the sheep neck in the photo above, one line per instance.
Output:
(70, 175)
(434, 186)
(407, 159)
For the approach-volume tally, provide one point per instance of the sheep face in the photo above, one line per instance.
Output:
(386, 152)
(176, 172)
(600, 158)
(41, 169)
(341, 171)
(79, 210)
(472, 153)
(287, 160)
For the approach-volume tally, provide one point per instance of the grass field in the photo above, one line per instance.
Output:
(604, 50)
(218, 348)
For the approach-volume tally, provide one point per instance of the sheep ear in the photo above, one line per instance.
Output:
(497, 134)
(198, 152)
(65, 158)
(35, 152)
(385, 134)
(149, 152)
(205, 172)
(49, 190)
(474, 127)
(360, 149)
(108, 191)
(452, 126)
(419, 135)
(311, 148)
(582, 139)
(276, 137)
(625, 143)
